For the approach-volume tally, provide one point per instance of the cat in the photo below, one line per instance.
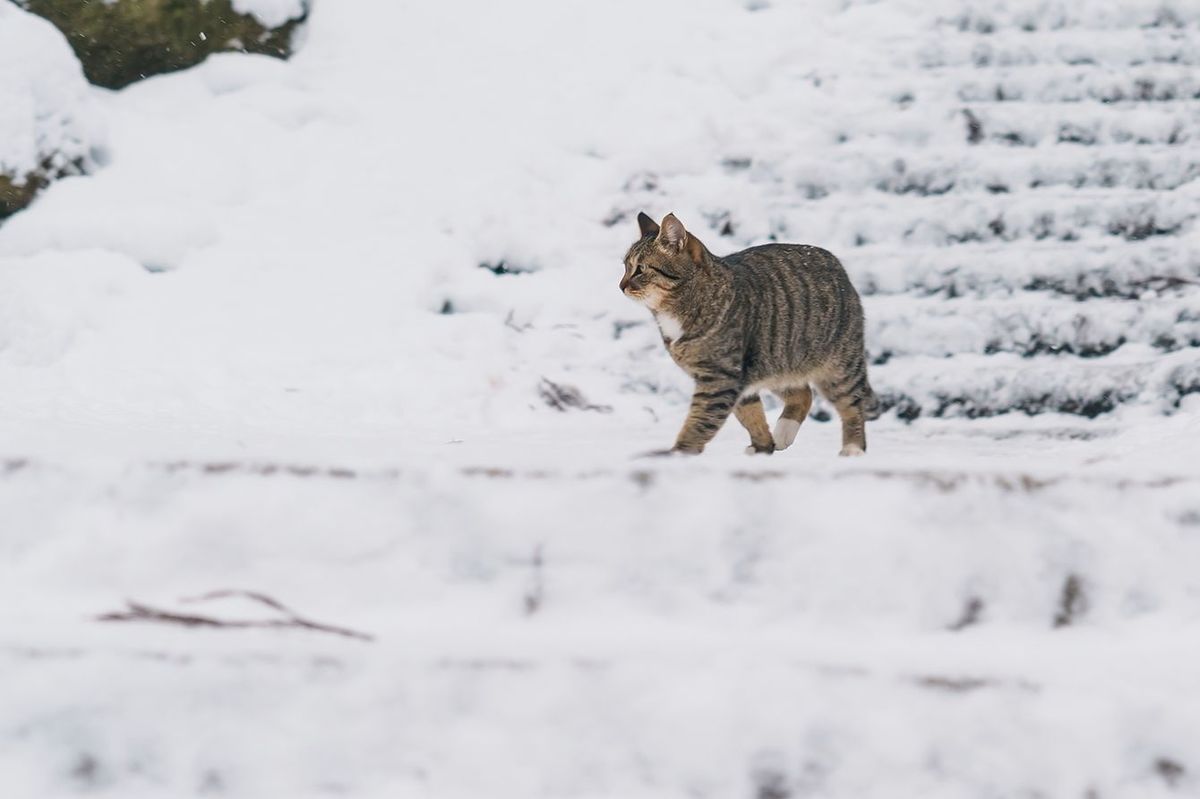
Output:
(779, 317)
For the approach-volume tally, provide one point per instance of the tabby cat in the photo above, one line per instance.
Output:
(782, 317)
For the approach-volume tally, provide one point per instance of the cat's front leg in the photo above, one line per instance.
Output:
(749, 411)
(712, 402)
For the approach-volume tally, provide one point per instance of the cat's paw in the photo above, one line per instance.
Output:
(852, 451)
(754, 449)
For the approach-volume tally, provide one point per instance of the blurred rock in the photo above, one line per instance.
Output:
(123, 41)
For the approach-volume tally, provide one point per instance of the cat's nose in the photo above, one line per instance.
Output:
(624, 283)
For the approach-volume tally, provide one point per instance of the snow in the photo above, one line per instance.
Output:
(271, 13)
(258, 351)
(49, 119)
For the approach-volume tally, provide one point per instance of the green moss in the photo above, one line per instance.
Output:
(124, 41)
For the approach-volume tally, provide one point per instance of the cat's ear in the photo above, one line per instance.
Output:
(647, 225)
(672, 235)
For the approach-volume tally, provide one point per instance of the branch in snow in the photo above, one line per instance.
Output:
(504, 267)
(137, 611)
(509, 321)
(970, 616)
(535, 595)
(562, 397)
(1072, 603)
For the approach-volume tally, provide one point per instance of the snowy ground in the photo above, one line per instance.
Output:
(258, 349)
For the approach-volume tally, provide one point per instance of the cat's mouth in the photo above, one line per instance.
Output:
(650, 296)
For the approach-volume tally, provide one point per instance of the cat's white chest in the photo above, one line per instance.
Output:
(669, 325)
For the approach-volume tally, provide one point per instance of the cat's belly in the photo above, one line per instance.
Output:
(791, 378)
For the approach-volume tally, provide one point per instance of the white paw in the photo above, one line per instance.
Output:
(785, 433)
(852, 451)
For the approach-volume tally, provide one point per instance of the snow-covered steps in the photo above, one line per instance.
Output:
(1079, 19)
(1114, 51)
(1130, 270)
(1086, 216)
(986, 168)
(975, 386)
(1075, 84)
(1030, 124)
(1014, 192)
(1030, 325)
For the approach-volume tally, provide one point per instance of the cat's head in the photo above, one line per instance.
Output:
(662, 261)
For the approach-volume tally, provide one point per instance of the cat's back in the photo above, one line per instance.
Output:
(767, 257)
(792, 267)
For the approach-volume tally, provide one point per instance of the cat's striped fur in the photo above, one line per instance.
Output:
(780, 317)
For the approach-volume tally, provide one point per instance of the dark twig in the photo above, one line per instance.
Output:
(535, 595)
(140, 612)
(1073, 602)
(562, 397)
(510, 322)
(970, 615)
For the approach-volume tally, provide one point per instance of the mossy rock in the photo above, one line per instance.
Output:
(124, 41)
(16, 192)
(16, 195)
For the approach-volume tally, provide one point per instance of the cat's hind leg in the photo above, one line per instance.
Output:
(854, 430)
(849, 400)
(749, 412)
(797, 401)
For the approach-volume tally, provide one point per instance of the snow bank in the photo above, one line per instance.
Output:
(49, 125)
